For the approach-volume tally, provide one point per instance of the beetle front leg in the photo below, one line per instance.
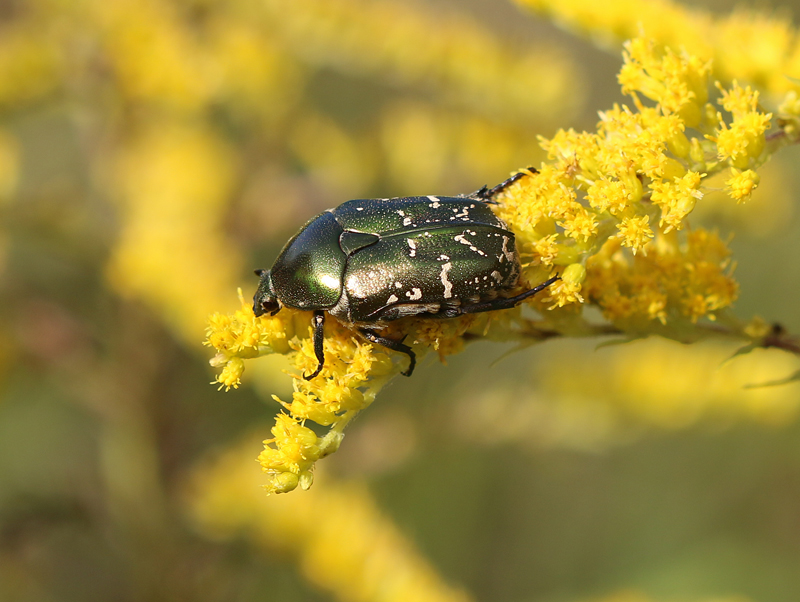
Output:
(394, 346)
(318, 321)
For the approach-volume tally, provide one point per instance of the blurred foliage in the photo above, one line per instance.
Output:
(153, 152)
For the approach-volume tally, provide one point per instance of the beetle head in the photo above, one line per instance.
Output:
(265, 301)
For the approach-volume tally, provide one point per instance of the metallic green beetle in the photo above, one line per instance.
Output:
(371, 261)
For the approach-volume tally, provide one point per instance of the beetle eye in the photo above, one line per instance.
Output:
(269, 306)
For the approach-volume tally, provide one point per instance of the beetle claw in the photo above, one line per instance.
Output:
(314, 373)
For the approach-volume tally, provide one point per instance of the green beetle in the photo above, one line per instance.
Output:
(370, 261)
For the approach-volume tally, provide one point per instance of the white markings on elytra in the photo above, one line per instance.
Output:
(448, 286)
(412, 245)
(497, 276)
(359, 209)
(443, 257)
(414, 294)
(398, 285)
(406, 220)
(392, 299)
(509, 253)
(463, 240)
(435, 202)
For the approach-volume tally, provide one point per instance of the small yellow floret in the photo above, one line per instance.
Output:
(546, 249)
(742, 184)
(635, 232)
(289, 456)
(676, 198)
(567, 290)
(608, 195)
(743, 141)
(231, 374)
(582, 225)
(738, 101)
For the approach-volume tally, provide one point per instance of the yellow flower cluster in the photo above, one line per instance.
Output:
(241, 335)
(634, 183)
(354, 371)
(608, 211)
(672, 281)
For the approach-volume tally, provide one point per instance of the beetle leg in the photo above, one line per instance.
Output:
(394, 346)
(319, 338)
(487, 194)
(508, 302)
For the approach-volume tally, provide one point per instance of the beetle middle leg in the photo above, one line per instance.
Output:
(318, 321)
(394, 346)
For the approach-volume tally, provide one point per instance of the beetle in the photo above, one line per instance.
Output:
(370, 261)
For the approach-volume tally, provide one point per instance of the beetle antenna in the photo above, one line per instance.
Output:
(488, 194)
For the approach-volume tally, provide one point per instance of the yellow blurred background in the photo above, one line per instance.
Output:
(154, 152)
